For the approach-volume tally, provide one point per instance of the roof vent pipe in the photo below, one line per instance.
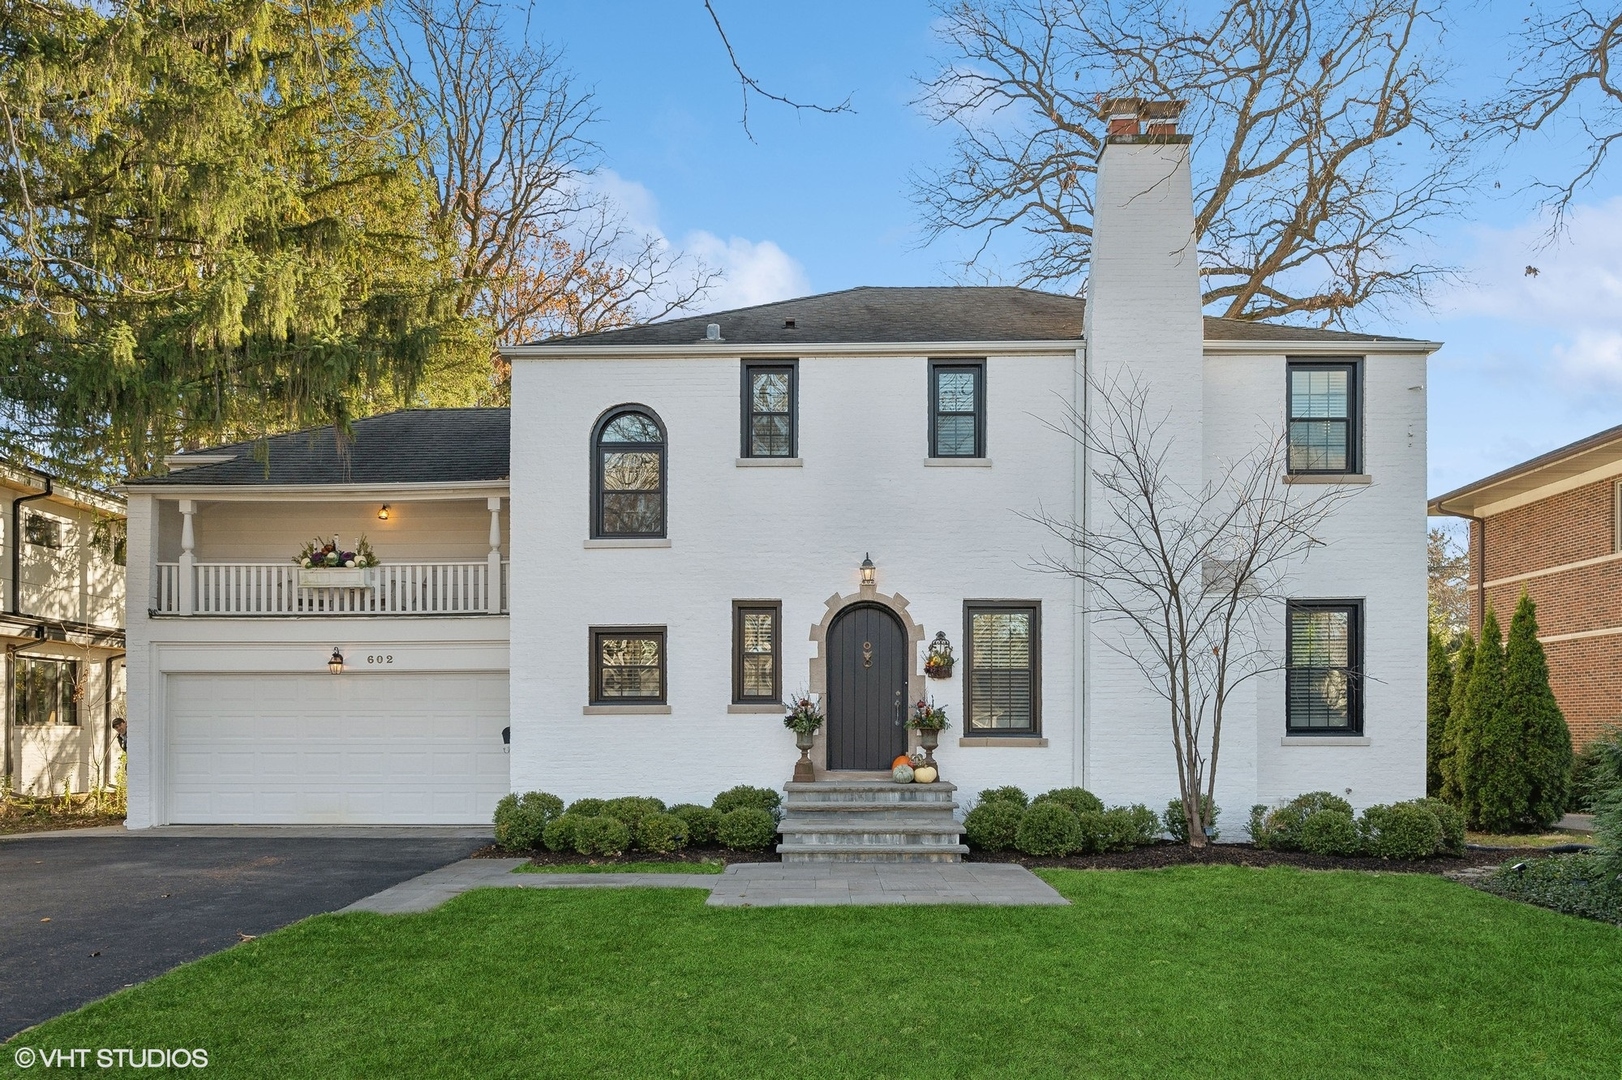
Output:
(712, 332)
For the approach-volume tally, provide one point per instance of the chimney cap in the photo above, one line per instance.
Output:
(1141, 108)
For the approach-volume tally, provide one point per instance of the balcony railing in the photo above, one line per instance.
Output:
(232, 589)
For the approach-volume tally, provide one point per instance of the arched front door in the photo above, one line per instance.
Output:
(867, 688)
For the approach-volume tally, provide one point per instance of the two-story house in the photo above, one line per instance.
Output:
(708, 515)
(62, 576)
(1552, 527)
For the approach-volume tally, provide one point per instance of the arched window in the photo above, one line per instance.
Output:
(628, 474)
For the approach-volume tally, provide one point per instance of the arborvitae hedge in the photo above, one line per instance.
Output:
(1457, 711)
(1541, 750)
(1483, 703)
(1438, 704)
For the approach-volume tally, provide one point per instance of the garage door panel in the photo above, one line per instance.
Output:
(418, 748)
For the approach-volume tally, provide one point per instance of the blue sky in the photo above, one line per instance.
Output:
(821, 202)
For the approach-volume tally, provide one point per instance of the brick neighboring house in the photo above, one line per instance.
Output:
(1553, 527)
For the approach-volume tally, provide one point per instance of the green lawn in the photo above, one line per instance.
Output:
(708, 866)
(1196, 971)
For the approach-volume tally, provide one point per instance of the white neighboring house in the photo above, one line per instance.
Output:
(692, 503)
(62, 573)
(234, 712)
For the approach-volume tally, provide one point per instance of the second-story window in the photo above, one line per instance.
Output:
(42, 531)
(1323, 417)
(768, 410)
(957, 410)
(628, 475)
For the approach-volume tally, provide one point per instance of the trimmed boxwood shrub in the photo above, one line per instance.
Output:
(1331, 832)
(993, 825)
(633, 809)
(1177, 827)
(587, 807)
(601, 835)
(747, 828)
(744, 797)
(1140, 822)
(1451, 818)
(1009, 794)
(559, 834)
(1048, 828)
(662, 833)
(521, 820)
(701, 823)
(1401, 831)
(1079, 800)
(1281, 829)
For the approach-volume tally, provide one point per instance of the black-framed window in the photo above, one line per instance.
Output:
(957, 409)
(628, 474)
(1002, 667)
(628, 665)
(757, 652)
(1323, 422)
(1324, 649)
(770, 401)
(44, 691)
(42, 531)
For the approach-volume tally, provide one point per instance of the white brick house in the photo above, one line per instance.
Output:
(691, 504)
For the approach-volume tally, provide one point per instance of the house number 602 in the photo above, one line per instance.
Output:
(381, 658)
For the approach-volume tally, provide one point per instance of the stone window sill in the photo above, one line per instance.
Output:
(1328, 478)
(629, 542)
(625, 710)
(759, 708)
(958, 462)
(770, 463)
(1002, 740)
(1324, 740)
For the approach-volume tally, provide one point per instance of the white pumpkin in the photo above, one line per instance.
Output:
(924, 775)
(902, 774)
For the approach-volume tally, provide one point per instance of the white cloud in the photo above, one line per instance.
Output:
(1593, 360)
(751, 272)
(1578, 281)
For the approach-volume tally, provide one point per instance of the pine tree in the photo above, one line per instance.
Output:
(1457, 709)
(1481, 722)
(1438, 704)
(1542, 743)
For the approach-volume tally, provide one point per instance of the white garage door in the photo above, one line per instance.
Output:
(355, 749)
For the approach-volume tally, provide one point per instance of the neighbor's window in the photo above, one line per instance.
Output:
(957, 410)
(768, 410)
(42, 531)
(756, 652)
(628, 666)
(628, 475)
(1324, 695)
(1001, 667)
(45, 691)
(1323, 417)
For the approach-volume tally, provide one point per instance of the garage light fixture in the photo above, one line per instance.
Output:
(335, 663)
(383, 513)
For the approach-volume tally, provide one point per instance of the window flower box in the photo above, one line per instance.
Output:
(336, 577)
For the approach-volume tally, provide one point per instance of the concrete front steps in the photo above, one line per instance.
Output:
(870, 820)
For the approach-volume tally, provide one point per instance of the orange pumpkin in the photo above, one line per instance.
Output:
(901, 759)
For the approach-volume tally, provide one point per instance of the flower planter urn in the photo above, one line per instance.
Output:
(928, 739)
(804, 773)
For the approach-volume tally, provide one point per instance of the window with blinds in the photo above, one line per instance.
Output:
(1324, 678)
(957, 410)
(756, 652)
(1002, 664)
(768, 410)
(1322, 407)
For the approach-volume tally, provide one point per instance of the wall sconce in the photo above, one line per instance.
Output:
(383, 513)
(335, 663)
(868, 571)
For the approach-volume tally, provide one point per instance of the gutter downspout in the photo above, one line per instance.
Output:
(17, 539)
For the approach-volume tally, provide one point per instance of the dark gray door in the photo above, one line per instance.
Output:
(867, 689)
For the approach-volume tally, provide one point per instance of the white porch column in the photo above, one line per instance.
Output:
(492, 594)
(188, 560)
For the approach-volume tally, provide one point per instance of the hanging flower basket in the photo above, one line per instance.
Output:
(938, 664)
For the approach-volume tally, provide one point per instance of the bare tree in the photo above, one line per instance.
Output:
(1193, 576)
(1570, 72)
(1323, 146)
(747, 83)
(502, 134)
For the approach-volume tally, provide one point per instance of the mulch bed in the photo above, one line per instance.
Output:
(1167, 854)
(686, 855)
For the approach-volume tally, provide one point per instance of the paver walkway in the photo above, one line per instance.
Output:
(746, 884)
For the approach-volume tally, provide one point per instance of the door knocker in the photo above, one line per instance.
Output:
(867, 654)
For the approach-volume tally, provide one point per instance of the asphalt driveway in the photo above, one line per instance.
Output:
(83, 916)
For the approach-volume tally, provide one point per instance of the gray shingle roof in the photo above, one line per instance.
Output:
(414, 446)
(872, 315)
